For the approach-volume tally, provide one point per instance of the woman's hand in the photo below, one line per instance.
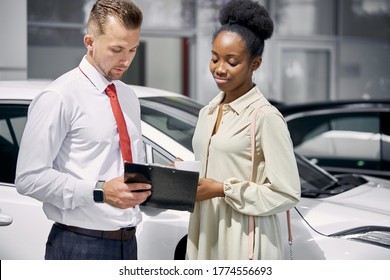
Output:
(209, 188)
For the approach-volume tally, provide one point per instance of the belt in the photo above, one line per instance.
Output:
(123, 234)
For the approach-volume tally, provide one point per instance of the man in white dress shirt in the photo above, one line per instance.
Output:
(70, 157)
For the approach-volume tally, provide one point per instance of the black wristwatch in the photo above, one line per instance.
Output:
(98, 193)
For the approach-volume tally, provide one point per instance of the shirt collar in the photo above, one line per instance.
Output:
(93, 75)
(214, 103)
(239, 104)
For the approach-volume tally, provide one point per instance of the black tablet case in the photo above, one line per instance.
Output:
(171, 188)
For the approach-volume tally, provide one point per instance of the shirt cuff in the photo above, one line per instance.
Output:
(227, 184)
(83, 194)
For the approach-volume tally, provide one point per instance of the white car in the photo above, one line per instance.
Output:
(344, 217)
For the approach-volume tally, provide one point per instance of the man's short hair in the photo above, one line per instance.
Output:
(125, 11)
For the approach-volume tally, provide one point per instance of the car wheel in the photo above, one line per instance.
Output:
(180, 252)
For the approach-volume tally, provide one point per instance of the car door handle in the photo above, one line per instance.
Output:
(5, 219)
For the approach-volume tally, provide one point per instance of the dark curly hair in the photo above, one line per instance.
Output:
(248, 19)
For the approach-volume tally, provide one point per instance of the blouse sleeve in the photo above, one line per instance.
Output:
(277, 185)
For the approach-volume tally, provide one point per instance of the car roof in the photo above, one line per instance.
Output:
(29, 89)
(142, 92)
(22, 90)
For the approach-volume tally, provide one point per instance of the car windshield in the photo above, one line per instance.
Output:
(317, 183)
(174, 116)
(313, 178)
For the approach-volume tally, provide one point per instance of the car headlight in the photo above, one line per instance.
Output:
(375, 235)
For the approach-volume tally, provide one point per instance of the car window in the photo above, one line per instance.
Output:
(12, 121)
(174, 116)
(345, 140)
(156, 154)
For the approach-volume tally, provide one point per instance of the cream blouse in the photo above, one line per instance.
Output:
(218, 227)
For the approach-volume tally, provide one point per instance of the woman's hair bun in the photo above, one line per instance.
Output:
(249, 14)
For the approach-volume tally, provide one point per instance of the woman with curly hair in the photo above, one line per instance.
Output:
(228, 197)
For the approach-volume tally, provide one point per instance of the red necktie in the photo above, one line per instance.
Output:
(124, 139)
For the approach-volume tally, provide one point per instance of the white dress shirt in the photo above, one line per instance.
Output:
(70, 142)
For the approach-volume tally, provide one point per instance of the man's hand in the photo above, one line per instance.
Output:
(121, 195)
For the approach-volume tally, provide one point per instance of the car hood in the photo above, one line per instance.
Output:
(366, 205)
